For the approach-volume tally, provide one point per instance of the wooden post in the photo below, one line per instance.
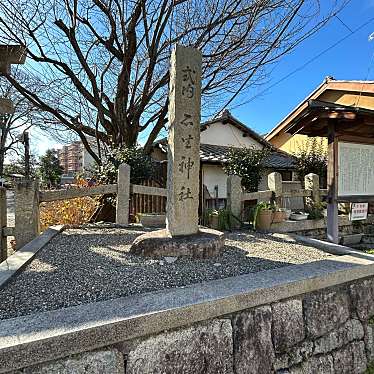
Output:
(3, 223)
(123, 195)
(332, 185)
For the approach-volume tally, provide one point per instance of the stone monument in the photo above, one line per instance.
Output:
(182, 236)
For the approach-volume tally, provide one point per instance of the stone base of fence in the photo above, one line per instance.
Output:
(281, 193)
(317, 227)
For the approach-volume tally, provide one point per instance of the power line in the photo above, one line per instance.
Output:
(262, 59)
(367, 77)
(305, 64)
(343, 23)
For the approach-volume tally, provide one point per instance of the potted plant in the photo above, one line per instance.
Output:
(286, 212)
(262, 216)
(316, 210)
(279, 215)
(221, 219)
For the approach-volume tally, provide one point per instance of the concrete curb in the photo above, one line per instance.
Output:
(14, 263)
(335, 249)
(42, 337)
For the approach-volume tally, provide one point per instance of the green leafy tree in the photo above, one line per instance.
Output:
(142, 167)
(312, 158)
(49, 169)
(17, 166)
(247, 163)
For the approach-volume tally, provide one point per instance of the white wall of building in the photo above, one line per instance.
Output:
(227, 135)
(88, 162)
(213, 175)
(223, 135)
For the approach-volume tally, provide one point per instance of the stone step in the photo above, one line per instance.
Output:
(368, 239)
(351, 239)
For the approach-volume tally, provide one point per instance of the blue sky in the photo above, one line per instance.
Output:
(351, 59)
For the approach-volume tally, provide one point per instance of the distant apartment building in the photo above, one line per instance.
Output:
(70, 158)
(74, 159)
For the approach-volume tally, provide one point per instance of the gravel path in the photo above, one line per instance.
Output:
(86, 265)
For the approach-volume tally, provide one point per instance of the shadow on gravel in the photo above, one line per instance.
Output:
(87, 267)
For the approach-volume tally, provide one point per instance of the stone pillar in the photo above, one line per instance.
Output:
(312, 184)
(3, 223)
(184, 142)
(275, 185)
(234, 196)
(27, 226)
(123, 195)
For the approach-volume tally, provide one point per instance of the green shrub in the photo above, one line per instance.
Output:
(142, 167)
(315, 210)
(226, 219)
(370, 368)
(312, 158)
(247, 163)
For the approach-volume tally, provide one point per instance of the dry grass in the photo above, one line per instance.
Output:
(68, 212)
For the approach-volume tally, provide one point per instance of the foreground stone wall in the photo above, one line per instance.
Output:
(328, 331)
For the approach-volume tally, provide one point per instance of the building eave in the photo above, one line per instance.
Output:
(327, 84)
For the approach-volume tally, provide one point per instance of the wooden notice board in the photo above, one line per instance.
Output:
(355, 172)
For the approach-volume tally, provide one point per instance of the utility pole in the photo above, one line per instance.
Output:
(6, 111)
(26, 142)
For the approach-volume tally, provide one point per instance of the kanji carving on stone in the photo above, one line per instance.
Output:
(185, 194)
(187, 120)
(186, 164)
(187, 141)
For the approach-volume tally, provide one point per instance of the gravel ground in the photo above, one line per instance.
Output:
(86, 265)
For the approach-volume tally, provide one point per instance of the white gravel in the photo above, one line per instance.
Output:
(87, 265)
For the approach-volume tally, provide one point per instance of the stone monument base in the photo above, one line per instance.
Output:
(206, 243)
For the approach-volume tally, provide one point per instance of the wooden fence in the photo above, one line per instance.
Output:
(131, 199)
(28, 198)
(147, 203)
(236, 197)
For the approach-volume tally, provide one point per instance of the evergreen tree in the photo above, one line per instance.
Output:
(50, 170)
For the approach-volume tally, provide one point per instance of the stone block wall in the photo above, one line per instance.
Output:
(329, 332)
(364, 227)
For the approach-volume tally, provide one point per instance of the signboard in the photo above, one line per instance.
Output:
(355, 169)
(359, 211)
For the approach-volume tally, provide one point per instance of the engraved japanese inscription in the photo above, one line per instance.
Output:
(184, 141)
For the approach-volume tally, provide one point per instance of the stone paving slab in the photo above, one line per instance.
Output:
(41, 337)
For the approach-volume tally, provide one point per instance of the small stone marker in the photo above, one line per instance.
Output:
(184, 142)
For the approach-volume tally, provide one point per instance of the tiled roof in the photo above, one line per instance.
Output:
(218, 154)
